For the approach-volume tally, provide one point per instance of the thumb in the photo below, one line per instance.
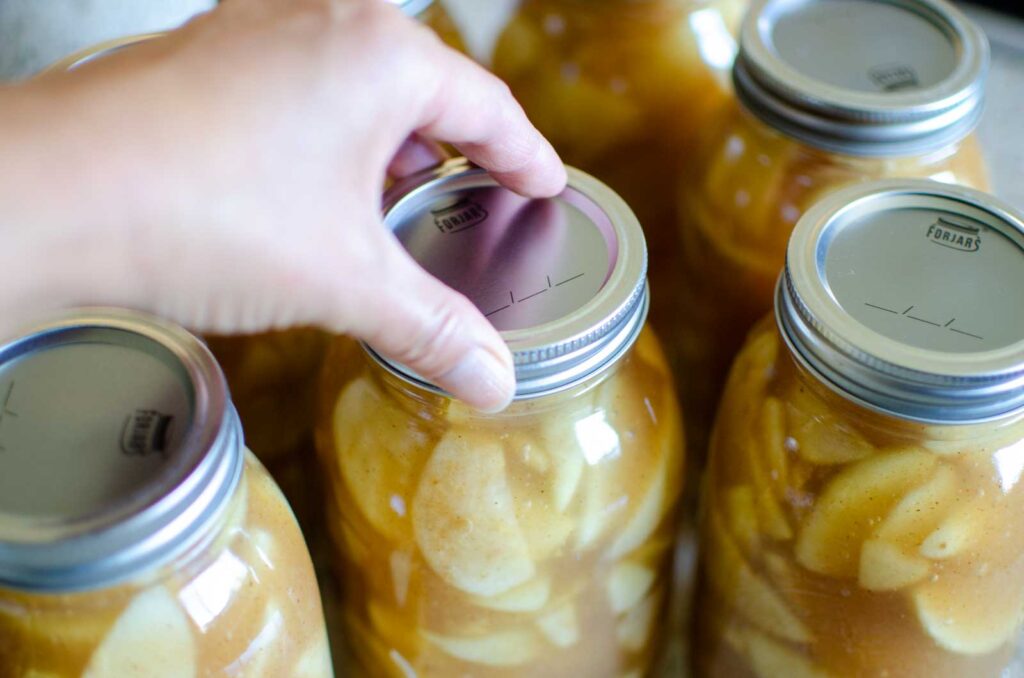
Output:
(416, 320)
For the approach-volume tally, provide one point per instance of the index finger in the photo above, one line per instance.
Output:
(476, 112)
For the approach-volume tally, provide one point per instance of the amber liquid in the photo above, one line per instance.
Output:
(244, 604)
(840, 542)
(536, 542)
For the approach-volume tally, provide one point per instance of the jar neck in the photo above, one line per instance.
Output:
(642, 10)
(933, 156)
(890, 430)
(429, 405)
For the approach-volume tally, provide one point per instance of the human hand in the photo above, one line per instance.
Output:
(237, 166)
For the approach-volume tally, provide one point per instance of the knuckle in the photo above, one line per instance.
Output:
(430, 348)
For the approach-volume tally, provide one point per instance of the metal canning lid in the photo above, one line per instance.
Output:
(99, 51)
(905, 296)
(412, 7)
(563, 279)
(119, 448)
(863, 77)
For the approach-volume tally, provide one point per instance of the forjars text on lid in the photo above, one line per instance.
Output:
(563, 279)
(119, 449)
(905, 295)
(865, 77)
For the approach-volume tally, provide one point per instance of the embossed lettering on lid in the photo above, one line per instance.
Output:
(563, 278)
(86, 424)
(906, 294)
(866, 77)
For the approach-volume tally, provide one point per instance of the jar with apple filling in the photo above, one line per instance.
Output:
(135, 530)
(623, 89)
(863, 498)
(535, 541)
(828, 94)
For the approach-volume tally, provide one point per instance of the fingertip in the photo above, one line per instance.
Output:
(543, 177)
(482, 380)
(554, 177)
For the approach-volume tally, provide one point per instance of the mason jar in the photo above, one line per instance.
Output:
(862, 514)
(828, 94)
(623, 89)
(536, 541)
(135, 529)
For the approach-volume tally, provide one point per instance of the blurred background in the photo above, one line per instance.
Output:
(34, 34)
(1011, 6)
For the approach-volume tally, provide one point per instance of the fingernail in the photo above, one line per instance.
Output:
(482, 381)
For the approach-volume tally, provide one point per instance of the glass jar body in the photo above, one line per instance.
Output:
(837, 541)
(535, 542)
(623, 89)
(749, 187)
(243, 603)
(273, 382)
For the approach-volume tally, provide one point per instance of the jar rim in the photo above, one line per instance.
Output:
(172, 506)
(880, 115)
(864, 240)
(556, 352)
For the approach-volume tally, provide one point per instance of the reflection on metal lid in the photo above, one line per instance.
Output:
(563, 279)
(99, 51)
(113, 426)
(905, 295)
(866, 77)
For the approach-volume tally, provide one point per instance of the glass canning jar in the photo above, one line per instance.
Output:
(828, 94)
(537, 541)
(862, 513)
(623, 89)
(135, 529)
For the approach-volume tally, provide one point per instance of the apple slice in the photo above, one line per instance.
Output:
(830, 541)
(744, 590)
(464, 517)
(742, 515)
(975, 611)
(825, 439)
(560, 625)
(558, 438)
(771, 516)
(529, 597)
(627, 585)
(502, 648)
(315, 662)
(885, 567)
(634, 629)
(771, 659)
(919, 513)
(152, 638)
(647, 515)
(378, 454)
(772, 425)
(977, 520)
